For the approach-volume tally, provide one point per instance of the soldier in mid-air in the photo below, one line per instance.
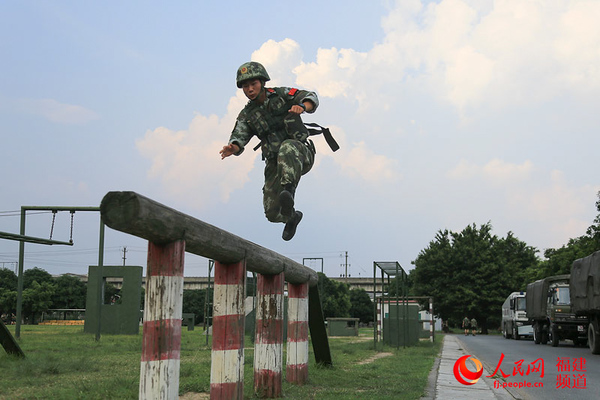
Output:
(273, 115)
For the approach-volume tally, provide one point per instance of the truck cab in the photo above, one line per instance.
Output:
(563, 324)
(515, 323)
(549, 311)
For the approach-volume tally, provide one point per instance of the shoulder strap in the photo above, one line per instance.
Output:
(312, 130)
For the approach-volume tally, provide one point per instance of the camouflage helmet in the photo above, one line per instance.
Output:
(251, 70)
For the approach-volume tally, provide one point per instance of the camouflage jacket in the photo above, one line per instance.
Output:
(271, 122)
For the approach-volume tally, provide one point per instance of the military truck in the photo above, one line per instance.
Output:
(585, 295)
(549, 312)
(514, 318)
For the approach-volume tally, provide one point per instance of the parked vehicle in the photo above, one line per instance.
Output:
(549, 311)
(514, 317)
(585, 295)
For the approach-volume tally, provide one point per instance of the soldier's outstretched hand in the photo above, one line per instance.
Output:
(228, 150)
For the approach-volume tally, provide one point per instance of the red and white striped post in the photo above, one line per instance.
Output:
(432, 324)
(161, 345)
(268, 344)
(297, 334)
(227, 361)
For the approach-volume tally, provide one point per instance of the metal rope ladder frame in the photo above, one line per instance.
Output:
(22, 238)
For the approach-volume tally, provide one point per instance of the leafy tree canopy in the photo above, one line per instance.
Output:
(70, 292)
(194, 302)
(37, 298)
(335, 297)
(36, 274)
(361, 305)
(8, 301)
(8, 279)
(470, 273)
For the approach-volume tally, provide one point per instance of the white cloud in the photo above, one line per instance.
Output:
(577, 48)
(279, 58)
(360, 161)
(510, 53)
(188, 163)
(495, 172)
(543, 203)
(58, 112)
(476, 59)
(333, 72)
(559, 209)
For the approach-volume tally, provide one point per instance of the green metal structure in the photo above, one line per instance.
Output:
(342, 326)
(22, 238)
(391, 269)
(401, 325)
(121, 317)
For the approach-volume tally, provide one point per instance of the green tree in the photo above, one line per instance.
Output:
(36, 274)
(8, 279)
(361, 305)
(8, 301)
(335, 297)
(70, 292)
(8, 291)
(37, 298)
(193, 302)
(471, 272)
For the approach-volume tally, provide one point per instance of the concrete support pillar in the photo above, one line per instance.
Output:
(161, 344)
(297, 334)
(227, 361)
(268, 345)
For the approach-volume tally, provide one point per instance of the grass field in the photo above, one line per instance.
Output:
(62, 362)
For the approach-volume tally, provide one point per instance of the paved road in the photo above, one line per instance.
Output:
(565, 367)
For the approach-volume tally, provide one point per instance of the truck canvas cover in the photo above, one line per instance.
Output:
(537, 295)
(585, 284)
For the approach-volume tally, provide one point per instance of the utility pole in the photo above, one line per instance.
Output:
(346, 265)
(124, 254)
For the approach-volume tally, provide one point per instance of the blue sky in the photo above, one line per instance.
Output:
(449, 113)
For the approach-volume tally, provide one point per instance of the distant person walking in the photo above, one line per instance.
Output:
(473, 326)
(466, 324)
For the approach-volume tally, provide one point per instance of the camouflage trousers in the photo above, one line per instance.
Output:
(293, 160)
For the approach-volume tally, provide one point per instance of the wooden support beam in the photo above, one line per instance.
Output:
(268, 345)
(161, 344)
(137, 215)
(9, 343)
(297, 334)
(227, 359)
(316, 325)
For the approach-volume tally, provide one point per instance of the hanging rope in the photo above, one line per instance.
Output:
(52, 226)
(72, 218)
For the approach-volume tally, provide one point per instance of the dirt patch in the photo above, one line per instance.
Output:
(374, 357)
(195, 396)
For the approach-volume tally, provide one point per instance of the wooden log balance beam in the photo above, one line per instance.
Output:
(140, 216)
(170, 233)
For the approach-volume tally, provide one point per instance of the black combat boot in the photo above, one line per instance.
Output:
(290, 227)
(286, 200)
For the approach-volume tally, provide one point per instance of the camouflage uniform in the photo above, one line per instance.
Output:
(287, 152)
(473, 326)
